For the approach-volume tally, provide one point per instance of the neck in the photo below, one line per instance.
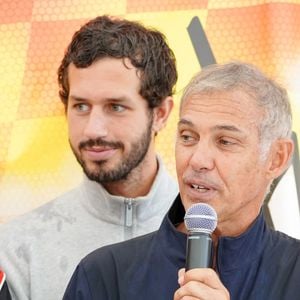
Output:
(237, 225)
(138, 183)
(228, 229)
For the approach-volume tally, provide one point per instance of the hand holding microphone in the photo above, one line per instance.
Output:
(199, 280)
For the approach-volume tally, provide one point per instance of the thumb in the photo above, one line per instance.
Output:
(181, 273)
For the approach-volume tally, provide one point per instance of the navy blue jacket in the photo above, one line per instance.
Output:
(260, 264)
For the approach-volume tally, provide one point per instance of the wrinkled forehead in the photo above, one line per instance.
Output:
(227, 106)
(236, 98)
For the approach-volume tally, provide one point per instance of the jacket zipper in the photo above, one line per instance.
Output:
(128, 212)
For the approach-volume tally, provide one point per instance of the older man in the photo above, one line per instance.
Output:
(233, 140)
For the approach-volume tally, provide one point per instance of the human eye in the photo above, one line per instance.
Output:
(81, 107)
(227, 142)
(117, 107)
(187, 137)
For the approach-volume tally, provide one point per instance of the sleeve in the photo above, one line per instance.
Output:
(78, 286)
(96, 277)
(14, 258)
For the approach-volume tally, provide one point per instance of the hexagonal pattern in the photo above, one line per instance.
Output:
(45, 51)
(12, 11)
(45, 10)
(13, 50)
(5, 134)
(164, 5)
(36, 163)
(241, 33)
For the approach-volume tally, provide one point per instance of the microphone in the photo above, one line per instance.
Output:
(200, 221)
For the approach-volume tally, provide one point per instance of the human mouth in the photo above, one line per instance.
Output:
(99, 150)
(98, 153)
(200, 188)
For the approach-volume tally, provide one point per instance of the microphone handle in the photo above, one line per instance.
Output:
(199, 251)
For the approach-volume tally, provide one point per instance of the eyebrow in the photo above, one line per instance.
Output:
(227, 128)
(215, 128)
(185, 122)
(76, 98)
(114, 99)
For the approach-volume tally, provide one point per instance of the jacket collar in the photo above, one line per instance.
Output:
(111, 208)
(231, 250)
(246, 248)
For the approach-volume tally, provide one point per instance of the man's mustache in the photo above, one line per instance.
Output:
(100, 142)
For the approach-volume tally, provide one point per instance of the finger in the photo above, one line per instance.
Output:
(181, 273)
(191, 289)
(187, 298)
(205, 275)
(198, 290)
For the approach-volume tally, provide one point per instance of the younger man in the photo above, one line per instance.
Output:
(116, 81)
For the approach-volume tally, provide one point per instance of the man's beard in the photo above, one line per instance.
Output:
(122, 169)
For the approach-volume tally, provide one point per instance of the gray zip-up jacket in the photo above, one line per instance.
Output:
(40, 250)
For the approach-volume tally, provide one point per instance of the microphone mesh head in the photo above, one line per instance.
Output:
(201, 217)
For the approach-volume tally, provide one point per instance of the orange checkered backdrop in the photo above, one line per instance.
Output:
(36, 163)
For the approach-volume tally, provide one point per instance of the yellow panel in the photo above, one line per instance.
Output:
(37, 145)
(174, 25)
(39, 166)
(13, 48)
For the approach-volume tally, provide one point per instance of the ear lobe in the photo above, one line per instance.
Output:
(282, 151)
(161, 114)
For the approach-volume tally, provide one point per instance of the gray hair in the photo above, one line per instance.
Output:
(268, 94)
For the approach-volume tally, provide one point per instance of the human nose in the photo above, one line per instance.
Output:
(202, 158)
(96, 125)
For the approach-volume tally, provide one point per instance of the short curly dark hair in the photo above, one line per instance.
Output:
(146, 48)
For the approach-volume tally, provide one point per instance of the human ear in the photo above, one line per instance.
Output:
(281, 155)
(161, 114)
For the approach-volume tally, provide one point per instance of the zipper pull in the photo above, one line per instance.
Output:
(128, 212)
